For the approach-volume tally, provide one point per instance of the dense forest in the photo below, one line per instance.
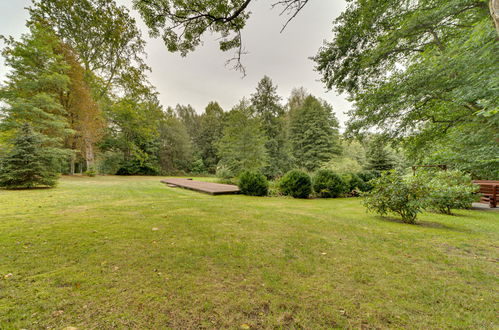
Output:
(423, 78)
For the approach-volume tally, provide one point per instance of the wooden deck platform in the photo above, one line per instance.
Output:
(204, 187)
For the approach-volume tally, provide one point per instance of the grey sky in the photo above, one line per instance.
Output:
(202, 76)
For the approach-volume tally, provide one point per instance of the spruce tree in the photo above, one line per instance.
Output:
(379, 156)
(29, 164)
(313, 134)
(267, 107)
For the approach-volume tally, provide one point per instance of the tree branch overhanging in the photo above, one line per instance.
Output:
(182, 24)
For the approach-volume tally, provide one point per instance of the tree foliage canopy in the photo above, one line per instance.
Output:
(313, 133)
(242, 146)
(267, 108)
(38, 76)
(182, 24)
(104, 36)
(420, 71)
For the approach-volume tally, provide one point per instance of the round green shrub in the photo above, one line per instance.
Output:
(90, 173)
(296, 183)
(448, 190)
(355, 182)
(197, 167)
(394, 193)
(366, 177)
(136, 167)
(328, 184)
(253, 184)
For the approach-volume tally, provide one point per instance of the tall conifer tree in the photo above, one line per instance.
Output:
(267, 107)
(313, 133)
(38, 76)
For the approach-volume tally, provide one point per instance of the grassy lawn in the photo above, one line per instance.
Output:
(129, 252)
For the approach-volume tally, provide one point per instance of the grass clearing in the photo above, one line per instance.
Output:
(85, 255)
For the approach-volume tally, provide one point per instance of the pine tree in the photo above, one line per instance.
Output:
(379, 156)
(37, 78)
(29, 164)
(313, 134)
(267, 107)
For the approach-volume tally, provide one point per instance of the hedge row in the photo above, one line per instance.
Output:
(298, 184)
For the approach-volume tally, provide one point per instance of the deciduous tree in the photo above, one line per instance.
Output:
(83, 112)
(182, 24)
(103, 35)
(175, 150)
(416, 70)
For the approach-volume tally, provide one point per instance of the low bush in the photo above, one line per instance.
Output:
(448, 190)
(353, 182)
(394, 194)
(90, 172)
(198, 167)
(366, 177)
(356, 183)
(296, 183)
(274, 188)
(224, 175)
(136, 167)
(253, 184)
(328, 184)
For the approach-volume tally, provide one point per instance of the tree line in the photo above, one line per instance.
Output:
(78, 79)
(424, 74)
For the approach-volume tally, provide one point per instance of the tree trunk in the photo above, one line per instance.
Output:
(494, 12)
(72, 161)
(89, 155)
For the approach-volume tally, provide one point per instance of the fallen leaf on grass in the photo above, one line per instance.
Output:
(57, 313)
(155, 228)
(245, 326)
(9, 275)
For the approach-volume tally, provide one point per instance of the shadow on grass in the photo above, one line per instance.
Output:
(27, 189)
(425, 224)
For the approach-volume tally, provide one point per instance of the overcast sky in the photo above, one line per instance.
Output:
(202, 76)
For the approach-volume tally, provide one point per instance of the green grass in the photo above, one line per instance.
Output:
(85, 255)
